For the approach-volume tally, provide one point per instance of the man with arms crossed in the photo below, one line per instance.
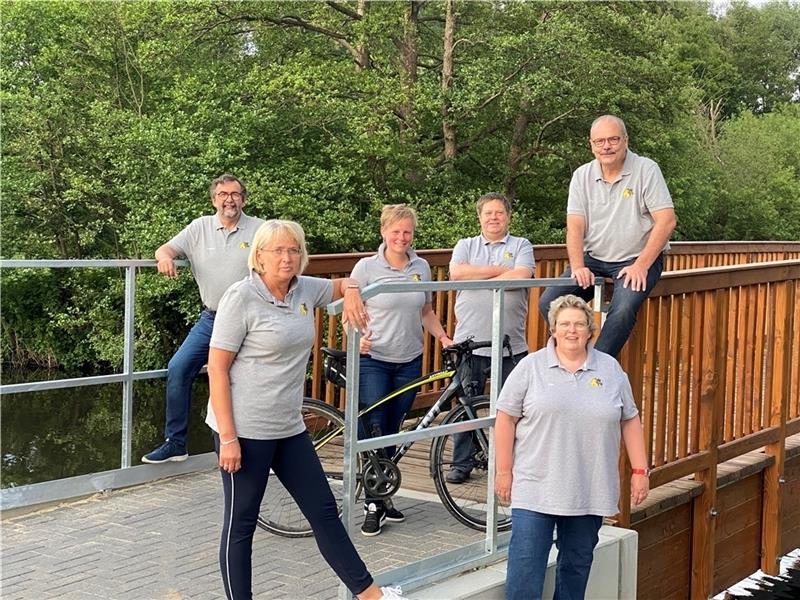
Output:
(619, 220)
(217, 247)
(494, 254)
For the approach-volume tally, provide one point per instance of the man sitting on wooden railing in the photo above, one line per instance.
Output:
(619, 219)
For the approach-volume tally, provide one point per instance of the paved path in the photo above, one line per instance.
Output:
(159, 541)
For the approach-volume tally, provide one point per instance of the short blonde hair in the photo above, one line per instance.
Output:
(277, 228)
(391, 213)
(570, 301)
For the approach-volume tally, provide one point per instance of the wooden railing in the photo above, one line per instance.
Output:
(714, 362)
(550, 262)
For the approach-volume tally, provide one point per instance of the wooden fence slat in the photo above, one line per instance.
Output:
(758, 364)
(740, 353)
(684, 446)
(660, 394)
(671, 389)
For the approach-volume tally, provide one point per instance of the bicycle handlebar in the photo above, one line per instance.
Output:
(468, 346)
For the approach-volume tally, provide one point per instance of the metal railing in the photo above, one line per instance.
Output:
(495, 545)
(60, 489)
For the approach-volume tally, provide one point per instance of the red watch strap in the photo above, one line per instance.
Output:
(645, 472)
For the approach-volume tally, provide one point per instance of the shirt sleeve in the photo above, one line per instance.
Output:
(426, 276)
(512, 396)
(576, 201)
(321, 290)
(184, 240)
(359, 273)
(656, 194)
(629, 409)
(460, 253)
(525, 255)
(230, 323)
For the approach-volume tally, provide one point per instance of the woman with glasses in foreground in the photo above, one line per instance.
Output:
(560, 416)
(262, 338)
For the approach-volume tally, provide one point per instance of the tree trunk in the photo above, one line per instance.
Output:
(516, 153)
(448, 126)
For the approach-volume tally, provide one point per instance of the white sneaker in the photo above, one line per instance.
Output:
(392, 593)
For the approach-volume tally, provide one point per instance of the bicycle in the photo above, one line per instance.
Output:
(381, 476)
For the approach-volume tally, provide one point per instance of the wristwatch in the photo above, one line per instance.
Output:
(645, 471)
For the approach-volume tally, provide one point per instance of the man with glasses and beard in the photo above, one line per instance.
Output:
(619, 220)
(217, 247)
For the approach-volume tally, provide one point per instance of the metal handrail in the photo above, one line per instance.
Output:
(434, 569)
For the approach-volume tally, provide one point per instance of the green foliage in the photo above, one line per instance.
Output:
(116, 116)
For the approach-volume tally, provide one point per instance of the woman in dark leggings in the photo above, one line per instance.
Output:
(263, 333)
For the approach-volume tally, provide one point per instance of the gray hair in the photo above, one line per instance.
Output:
(613, 119)
(570, 301)
(268, 232)
(226, 178)
(490, 197)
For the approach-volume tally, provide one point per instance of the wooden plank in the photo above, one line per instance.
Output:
(758, 363)
(703, 522)
(739, 557)
(670, 393)
(697, 370)
(740, 353)
(684, 447)
(661, 404)
(707, 279)
(747, 443)
(653, 531)
(771, 531)
(730, 367)
(749, 359)
(649, 380)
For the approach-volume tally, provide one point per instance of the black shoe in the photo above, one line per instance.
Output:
(393, 515)
(456, 476)
(373, 521)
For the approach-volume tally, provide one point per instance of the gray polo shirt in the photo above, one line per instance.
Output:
(218, 257)
(566, 445)
(618, 215)
(395, 319)
(474, 307)
(273, 340)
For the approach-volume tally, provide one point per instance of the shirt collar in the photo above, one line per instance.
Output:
(627, 166)
(590, 364)
(240, 224)
(263, 290)
(503, 240)
(381, 257)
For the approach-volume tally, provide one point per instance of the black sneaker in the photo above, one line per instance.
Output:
(393, 515)
(168, 451)
(456, 476)
(373, 521)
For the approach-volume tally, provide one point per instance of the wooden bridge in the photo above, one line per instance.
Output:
(714, 362)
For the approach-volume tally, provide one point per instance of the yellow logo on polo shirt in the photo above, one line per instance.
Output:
(303, 309)
(244, 245)
(416, 277)
(627, 193)
(596, 382)
(508, 255)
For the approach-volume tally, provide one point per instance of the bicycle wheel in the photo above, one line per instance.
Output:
(279, 514)
(467, 501)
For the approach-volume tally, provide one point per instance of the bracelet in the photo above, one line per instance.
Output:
(229, 442)
(353, 286)
(645, 472)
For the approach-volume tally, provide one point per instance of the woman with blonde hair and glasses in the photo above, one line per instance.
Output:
(391, 349)
(263, 334)
(560, 416)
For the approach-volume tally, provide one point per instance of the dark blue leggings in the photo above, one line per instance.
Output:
(296, 464)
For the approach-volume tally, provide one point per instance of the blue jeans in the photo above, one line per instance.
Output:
(377, 379)
(625, 303)
(183, 367)
(296, 465)
(531, 540)
(462, 448)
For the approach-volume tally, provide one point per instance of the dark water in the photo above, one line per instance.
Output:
(62, 433)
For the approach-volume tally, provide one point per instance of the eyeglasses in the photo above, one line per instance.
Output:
(232, 195)
(276, 252)
(612, 141)
(567, 325)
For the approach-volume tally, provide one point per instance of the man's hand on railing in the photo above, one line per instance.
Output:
(166, 266)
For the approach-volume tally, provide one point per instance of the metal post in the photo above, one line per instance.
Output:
(349, 476)
(498, 297)
(127, 366)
